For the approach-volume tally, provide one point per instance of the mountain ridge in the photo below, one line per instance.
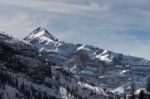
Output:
(96, 66)
(84, 46)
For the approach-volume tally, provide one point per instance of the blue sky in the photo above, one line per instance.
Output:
(118, 25)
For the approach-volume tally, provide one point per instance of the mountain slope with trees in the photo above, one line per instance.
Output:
(26, 74)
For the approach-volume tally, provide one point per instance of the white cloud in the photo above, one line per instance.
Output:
(58, 7)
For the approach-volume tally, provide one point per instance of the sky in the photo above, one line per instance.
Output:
(121, 26)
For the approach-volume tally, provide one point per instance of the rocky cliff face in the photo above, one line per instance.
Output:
(91, 63)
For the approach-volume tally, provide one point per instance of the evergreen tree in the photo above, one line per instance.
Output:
(13, 82)
(141, 94)
(124, 96)
(4, 87)
(28, 94)
(16, 83)
(39, 95)
(22, 87)
(17, 95)
(45, 96)
(148, 84)
(1, 96)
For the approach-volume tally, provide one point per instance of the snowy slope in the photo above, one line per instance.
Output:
(91, 63)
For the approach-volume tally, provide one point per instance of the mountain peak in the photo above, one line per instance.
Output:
(40, 33)
(40, 29)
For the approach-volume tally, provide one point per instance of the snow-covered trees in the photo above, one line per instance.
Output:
(28, 91)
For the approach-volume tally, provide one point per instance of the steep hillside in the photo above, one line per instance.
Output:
(94, 65)
(26, 74)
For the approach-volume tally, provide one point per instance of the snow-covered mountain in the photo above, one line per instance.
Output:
(94, 65)
(45, 42)
(42, 67)
(26, 74)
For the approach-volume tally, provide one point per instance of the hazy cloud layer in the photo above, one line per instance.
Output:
(118, 25)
